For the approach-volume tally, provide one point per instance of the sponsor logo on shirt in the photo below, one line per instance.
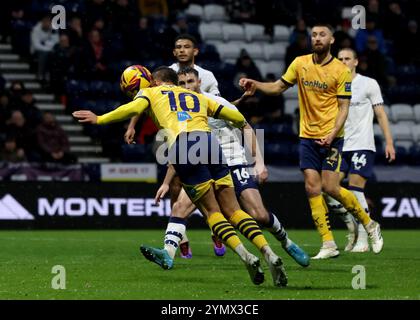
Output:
(183, 116)
(314, 84)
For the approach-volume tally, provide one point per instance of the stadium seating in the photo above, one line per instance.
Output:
(210, 31)
(195, 10)
(281, 33)
(228, 51)
(275, 51)
(405, 144)
(290, 106)
(268, 54)
(215, 12)
(346, 13)
(416, 109)
(401, 112)
(233, 32)
(255, 50)
(415, 131)
(255, 32)
(222, 44)
(275, 67)
(291, 93)
(377, 131)
(401, 132)
(415, 155)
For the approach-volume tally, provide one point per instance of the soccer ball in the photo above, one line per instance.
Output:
(134, 78)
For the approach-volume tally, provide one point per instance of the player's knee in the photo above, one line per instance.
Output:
(331, 189)
(312, 190)
(263, 217)
(228, 210)
(357, 181)
(180, 210)
(259, 213)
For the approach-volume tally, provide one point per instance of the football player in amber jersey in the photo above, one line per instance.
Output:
(183, 115)
(324, 86)
(185, 52)
(246, 185)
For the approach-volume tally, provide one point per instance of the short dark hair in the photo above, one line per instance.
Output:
(326, 25)
(188, 70)
(186, 36)
(351, 50)
(165, 74)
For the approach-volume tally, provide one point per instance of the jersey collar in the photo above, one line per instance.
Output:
(324, 64)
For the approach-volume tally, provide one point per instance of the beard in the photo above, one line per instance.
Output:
(321, 49)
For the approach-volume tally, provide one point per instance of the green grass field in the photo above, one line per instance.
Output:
(108, 265)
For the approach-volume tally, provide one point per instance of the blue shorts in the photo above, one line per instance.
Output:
(358, 162)
(199, 162)
(242, 179)
(314, 156)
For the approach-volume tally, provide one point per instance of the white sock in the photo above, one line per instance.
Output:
(362, 233)
(277, 230)
(360, 195)
(269, 255)
(241, 252)
(337, 208)
(358, 192)
(175, 232)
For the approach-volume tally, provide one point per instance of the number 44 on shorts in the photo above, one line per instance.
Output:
(359, 162)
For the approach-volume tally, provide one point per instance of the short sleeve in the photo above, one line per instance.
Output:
(344, 84)
(374, 93)
(145, 94)
(213, 107)
(291, 75)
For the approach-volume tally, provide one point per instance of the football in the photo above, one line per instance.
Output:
(134, 78)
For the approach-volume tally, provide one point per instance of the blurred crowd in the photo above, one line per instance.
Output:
(26, 134)
(103, 36)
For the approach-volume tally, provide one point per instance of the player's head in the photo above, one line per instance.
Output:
(349, 57)
(163, 75)
(188, 78)
(185, 48)
(322, 38)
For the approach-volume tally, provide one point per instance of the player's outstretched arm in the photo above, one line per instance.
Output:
(85, 116)
(384, 124)
(268, 88)
(123, 112)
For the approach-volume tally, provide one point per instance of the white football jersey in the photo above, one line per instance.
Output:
(358, 129)
(208, 81)
(229, 137)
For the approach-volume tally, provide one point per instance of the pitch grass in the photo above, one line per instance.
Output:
(108, 265)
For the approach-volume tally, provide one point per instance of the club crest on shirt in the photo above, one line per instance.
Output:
(347, 86)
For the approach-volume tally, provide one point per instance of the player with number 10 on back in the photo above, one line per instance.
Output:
(183, 114)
